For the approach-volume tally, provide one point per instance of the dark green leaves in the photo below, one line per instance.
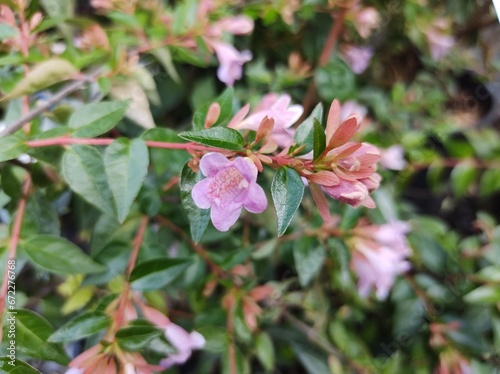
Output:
(9, 366)
(95, 119)
(126, 163)
(304, 134)
(12, 146)
(309, 258)
(198, 218)
(32, 332)
(335, 81)
(287, 190)
(134, 338)
(83, 170)
(220, 137)
(157, 273)
(110, 183)
(59, 255)
(319, 139)
(84, 325)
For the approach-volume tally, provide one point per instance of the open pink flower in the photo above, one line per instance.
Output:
(284, 115)
(393, 158)
(231, 62)
(184, 342)
(379, 254)
(228, 186)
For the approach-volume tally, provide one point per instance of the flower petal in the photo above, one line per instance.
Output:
(224, 218)
(247, 168)
(199, 194)
(212, 163)
(256, 200)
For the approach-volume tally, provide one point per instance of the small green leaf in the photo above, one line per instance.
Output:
(319, 139)
(462, 177)
(157, 273)
(81, 326)
(32, 332)
(12, 146)
(304, 133)
(59, 255)
(164, 57)
(265, 350)
(43, 75)
(220, 137)
(287, 190)
(198, 218)
(7, 32)
(95, 119)
(309, 258)
(126, 163)
(335, 81)
(135, 338)
(226, 110)
(312, 360)
(487, 294)
(490, 182)
(16, 366)
(83, 170)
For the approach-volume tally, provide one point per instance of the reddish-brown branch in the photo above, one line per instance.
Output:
(14, 240)
(138, 239)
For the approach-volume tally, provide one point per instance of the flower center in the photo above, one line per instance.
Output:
(226, 186)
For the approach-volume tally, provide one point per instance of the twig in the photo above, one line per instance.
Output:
(65, 91)
(16, 233)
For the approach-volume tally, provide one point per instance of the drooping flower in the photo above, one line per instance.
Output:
(393, 158)
(352, 164)
(183, 342)
(379, 255)
(228, 187)
(231, 62)
(278, 108)
(358, 58)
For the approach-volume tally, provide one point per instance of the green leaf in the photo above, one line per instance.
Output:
(462, 177)
(59, 255)
(126, 163)
(157, 273)
(83, 170)
(309, 258)
(490, 182)
(12, 146)
(335, 81)
(7, 32)
(114, 256)
(490, 274)
(164, 57)
(264, 350)
(95, 119)
(313, 361)
(226, 110)
(485, 295)
(43, 75)
(319, 139)
(135, 338)
(287, 190)
(198, 218)
(220, 137)
(81, 326)
(16, 366)
(32, 332)
(304, 133)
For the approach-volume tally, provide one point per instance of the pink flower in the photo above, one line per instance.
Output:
(365, 20)
(352, 108)
(284, 115)
(439, 43)
(183, 342)
(228, 186)
(393, 158)
(379, 254)
(231, 62)
(239, 25)
(358, 58)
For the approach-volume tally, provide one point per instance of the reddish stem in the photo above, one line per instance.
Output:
(107, 141)
(16, 234)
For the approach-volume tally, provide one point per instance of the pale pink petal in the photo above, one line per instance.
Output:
(247, 168)
(212, 163)
(223, 218)
(256, 200)
(199, 194)
(230, 62)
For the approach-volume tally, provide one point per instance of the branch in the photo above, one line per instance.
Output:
(66, 91)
